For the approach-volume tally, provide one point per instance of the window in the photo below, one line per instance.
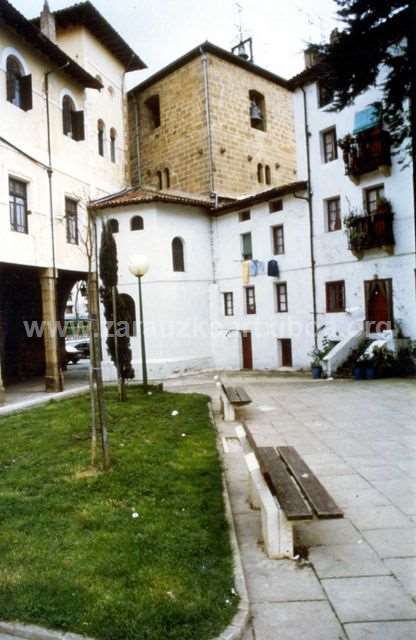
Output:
(257, 110)
(244, 216)
(268, 174)
(19, 86)
(329, 145)
(250, 300)
(167, 178)
(228, 303)
(325, 95)
(281, 297)
(18, 205)
(159, 180)
(113, 149)
(333, 214)
(113, 225)
(278, 240)
(153, 110)
(335, 296)
(136, 224)
(246, 246)
(178, 255)
(260, 173)
(72, 120)
(71, 217)
(275, 206)
(373, 197)
(101, 137)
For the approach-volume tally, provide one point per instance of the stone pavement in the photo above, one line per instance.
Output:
(360, 439)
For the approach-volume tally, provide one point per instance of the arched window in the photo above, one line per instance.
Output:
(101, 137)
(167, 178)
(114, 226)
(260, 173)
(113, 138)
(178, 260)
(257, 110)
(19, 86)
(268, 174)
(68, 107)
(128, 312)
(159, 180)
(136, 223)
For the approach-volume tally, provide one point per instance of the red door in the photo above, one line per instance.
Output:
(286, 352)
(247, 350)
(379, 305)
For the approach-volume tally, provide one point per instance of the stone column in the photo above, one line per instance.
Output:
(53, 377)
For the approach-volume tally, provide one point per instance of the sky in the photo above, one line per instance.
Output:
(162, 30)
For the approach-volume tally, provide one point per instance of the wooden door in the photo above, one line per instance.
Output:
(379, 305)
(286, 352)
(247, 350)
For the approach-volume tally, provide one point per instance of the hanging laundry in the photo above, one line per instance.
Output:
(261, 267)
(246, 272)
(273, 269)
(253, 268)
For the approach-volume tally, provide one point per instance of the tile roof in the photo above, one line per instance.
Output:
(262, 196)
(143, 196)
(35, 39)
(86, 14)
(208, 47)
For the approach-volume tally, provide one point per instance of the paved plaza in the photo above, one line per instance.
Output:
(360, 440)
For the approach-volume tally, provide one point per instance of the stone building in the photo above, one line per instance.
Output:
(62, 141)
(214, 124)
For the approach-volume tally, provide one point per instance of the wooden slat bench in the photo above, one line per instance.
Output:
(232, 398)
(286, 491)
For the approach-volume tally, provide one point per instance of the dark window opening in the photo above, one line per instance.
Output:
(257, 110)
(18, 205)
(268, 174)
(281, 298)
(325, 95)
(333, 213)
(373, 197)
(71, 218)
(178, 259)
(250, 300)
(335, 297)
(167, 178)
(228, 303)
(113, 148)
(137, 224)
(260, 173)
(275, 206)
(329, 143)
(153, 109)
(19, 86)
(278, 240)
(159, 180)
(101, 138)
(113, 225)
(244, 216)
(286, 358)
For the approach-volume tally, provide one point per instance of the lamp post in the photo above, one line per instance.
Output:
(138, 266)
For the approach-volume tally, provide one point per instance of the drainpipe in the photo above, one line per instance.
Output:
(204, 59)
(310, 208)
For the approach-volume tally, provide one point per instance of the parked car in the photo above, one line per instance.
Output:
(84, 347)
(72, 355)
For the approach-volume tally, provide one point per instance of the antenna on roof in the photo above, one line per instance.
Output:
(240, 48)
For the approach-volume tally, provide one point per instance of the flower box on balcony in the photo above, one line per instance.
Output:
(365, 152)
(371, 231)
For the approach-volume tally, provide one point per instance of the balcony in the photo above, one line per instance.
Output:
(370, 231)
(365, 152)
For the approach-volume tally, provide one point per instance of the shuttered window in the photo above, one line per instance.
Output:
(19, 86)
(335, 296)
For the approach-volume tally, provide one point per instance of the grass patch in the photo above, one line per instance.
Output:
(72, 556)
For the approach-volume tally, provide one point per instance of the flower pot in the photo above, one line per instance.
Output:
(358, 373)
(316, 373)
(370, 373)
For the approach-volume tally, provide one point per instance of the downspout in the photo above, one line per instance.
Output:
(310, 208)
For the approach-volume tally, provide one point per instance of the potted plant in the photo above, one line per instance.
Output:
(316, 363)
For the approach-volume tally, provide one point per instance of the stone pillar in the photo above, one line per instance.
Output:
(53, 376)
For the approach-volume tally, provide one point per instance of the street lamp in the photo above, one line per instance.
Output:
(139, 266)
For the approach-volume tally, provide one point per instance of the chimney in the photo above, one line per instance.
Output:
(47, 22)
(311, 57)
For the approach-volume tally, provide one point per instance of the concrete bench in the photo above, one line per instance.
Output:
(286, 491)
(232, 398)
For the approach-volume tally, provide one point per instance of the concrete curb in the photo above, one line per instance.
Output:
(20, 407)
(238, 626)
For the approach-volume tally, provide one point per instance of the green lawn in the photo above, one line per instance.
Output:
(73, 557)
